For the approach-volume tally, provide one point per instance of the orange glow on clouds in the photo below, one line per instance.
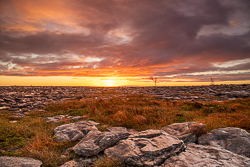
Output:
(102, 43)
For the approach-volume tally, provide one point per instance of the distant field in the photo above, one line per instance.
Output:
(33, 137)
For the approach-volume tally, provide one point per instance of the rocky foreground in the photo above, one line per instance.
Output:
(21, 99)
(180, 144)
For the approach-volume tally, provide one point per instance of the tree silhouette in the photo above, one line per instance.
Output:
(212, 81)
(154, 79)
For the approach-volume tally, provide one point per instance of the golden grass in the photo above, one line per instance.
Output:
(33, 137)
(222, 120)
(107, 162)
(129, 110)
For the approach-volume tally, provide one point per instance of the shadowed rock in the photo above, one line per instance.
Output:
(186, 131)
(74, 131)
(147, 148)
(199, 156)
(233, 139)
(97, 141)
(19, 162)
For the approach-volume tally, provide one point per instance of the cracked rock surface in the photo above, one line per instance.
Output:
(199, 156)
(96, 141)
(74, 131)
(146, 148)
(233, 139)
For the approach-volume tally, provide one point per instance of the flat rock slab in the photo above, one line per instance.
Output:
(233, 139)
(19, 162)
(186, 131)
(200, 156)
(146, 148)
(59, 118)
(4, 108)
(239, 94)
(74, 131)
(96, 141)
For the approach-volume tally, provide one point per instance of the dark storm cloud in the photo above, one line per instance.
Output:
(48, 43)
(132, 38)
(219, 47)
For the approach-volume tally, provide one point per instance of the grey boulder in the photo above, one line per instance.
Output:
(199, 156)
(233, 139)
(146, 148)
(96, 141)
(74, 131)
(19, 162)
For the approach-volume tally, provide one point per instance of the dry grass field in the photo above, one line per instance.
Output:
(33, 137)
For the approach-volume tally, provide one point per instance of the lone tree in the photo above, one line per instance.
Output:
(154, 79)
(212, 81)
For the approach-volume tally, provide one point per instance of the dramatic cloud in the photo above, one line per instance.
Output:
(172, 40)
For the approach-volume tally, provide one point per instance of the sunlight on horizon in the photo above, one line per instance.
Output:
(109, 82)
(98, 81)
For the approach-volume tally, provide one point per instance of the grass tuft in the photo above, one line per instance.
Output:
(107, 162)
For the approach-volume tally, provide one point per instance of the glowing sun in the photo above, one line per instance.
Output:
(109, 82)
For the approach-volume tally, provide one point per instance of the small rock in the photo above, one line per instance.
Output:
(14, 109)
(19, 162)
(25, 109)
(13, 122)
(58, 118)
(28, 96)
(64, 156)
(4, 108)
(19, 115)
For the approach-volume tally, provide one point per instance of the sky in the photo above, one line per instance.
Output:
(124, 42)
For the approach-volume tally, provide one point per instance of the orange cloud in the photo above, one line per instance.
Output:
(124, 39)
